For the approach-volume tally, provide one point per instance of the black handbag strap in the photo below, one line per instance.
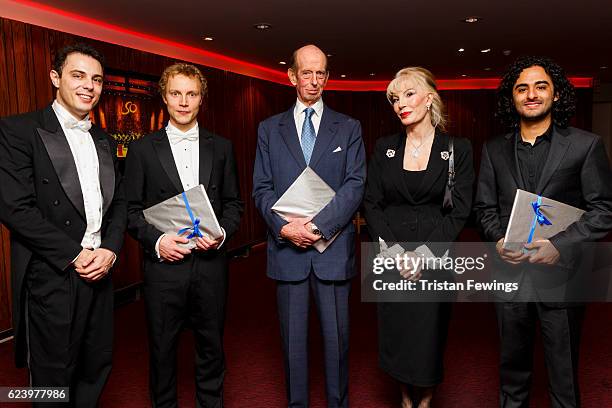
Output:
(450, 183)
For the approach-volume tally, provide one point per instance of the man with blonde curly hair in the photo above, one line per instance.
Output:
(183, 286)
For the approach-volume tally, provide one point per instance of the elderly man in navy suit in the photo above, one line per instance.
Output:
(330, 143)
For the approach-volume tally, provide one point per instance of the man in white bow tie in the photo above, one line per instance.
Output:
(63, 201)
(183, 286)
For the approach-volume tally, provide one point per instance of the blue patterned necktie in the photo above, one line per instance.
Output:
(308, 135)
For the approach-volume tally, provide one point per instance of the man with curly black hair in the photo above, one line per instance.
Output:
(541, 154)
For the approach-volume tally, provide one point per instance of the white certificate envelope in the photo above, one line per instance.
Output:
(171, 215)
(306, 197)
(522, 217)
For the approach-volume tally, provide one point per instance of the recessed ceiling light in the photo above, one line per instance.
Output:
(343, 76)
(507, 52)
(282, 62)
(372, 73)
(461, 49)
(487, 69)
(208, 38)
(262, 26)
(463, 75)
(603, 67)
(471, 19)
(330, 55)
(485, 50)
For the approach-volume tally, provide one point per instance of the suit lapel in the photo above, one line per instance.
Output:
(60, 154)
(290, 137)
(106, 167)
(558, 148)
(206, 157)
(509, 154)
(164, 154)
(327, 133)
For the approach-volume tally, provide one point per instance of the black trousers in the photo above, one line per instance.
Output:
(69, 332)
(190, 293)
(560, 328)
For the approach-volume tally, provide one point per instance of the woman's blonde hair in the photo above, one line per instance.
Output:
(424, 79)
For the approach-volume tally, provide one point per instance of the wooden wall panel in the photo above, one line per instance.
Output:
(9, 80)
(41, 57)
(23, 66)
(234, 107)
(4, 69)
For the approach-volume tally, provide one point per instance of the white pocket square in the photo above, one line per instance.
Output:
(338, 149)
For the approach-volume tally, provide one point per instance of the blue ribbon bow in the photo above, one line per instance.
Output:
(538, 218)
(195, 221)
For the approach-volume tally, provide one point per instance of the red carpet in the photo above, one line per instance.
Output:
(255, 374)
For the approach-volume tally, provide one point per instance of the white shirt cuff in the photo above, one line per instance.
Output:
(157, 245)
(224, 236)
(77, 257)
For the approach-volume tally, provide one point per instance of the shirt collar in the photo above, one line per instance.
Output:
(170, 128)
(548, 134)
(544, 137)
(63, 115)
(317, 106)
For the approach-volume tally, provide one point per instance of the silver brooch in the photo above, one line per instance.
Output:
(390, 153)
(444, 155)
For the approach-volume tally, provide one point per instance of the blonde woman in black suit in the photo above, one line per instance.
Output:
(405, 203)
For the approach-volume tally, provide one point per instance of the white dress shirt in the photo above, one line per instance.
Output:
(186, 154)
(185, 148)
(86, 159)
(299, 116)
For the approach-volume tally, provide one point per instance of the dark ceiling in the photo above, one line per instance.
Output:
(379, 36)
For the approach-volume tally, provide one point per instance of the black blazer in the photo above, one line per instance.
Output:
(152, 177)
(395, 215)
(576, 173)
(41, 201)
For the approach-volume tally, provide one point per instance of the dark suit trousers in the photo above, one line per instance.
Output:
(331, 299)
(560, 328)
(193, 293)
(69, 332)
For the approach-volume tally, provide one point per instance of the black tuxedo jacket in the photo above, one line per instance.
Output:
(152, 177)
(41, 201)
(576, 172)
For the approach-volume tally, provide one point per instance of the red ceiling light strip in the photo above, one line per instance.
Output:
(57, 19)
(53, 18)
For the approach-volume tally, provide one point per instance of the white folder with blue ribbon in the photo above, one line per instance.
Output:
(536, 217)
(188, 214)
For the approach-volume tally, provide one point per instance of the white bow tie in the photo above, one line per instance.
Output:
(176, 136)
(83, 125)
